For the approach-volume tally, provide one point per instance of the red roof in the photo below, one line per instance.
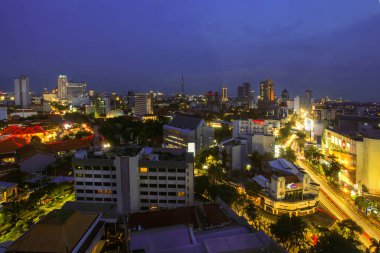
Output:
(16, 130)
(11, 144)
(258, 121)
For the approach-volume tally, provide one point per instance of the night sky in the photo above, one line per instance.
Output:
(330, 46)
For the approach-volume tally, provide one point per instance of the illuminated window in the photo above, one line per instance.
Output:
(181, 194)
(143, 170)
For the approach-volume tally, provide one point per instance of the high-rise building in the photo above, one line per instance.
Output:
(62, 86)
(102, 106)
(224, 94)
(285, 95)
(143, 104)
(309, 93)
(75, 90)
(21, 87)
(267, 91)
(134, 179)
(244, 92)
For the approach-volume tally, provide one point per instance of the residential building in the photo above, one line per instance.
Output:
(287, 189)
(233, 153)
(3, 113)
(258, 133)
(21, 88)
(185, 131)
(107, 177)
(62, 231)
(166, 178)
(134, 179)
(143, 104)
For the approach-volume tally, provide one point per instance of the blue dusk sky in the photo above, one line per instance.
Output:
(330, 46)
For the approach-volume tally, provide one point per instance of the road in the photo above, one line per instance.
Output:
(340, 207)
(336, 204)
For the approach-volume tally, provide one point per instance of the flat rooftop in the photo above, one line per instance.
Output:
(197, 217)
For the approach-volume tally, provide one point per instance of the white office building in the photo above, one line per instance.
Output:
(135, 179)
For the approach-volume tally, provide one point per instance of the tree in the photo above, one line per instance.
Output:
(255, 158)
(361, 202)
(332, 170)
(251, 211)
(349, 229)
(215, 173)
(313, 154)
(333, 242)
(252, 188)
(35, 139)
(289, 231)
(288, 154)
(201, 185)
(227, 193)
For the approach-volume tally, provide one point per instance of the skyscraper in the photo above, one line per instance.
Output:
(143, 104)
(267, 91)
(224, 94)
(244, 92)
(62, 86)
(285, 95)
(21, 87)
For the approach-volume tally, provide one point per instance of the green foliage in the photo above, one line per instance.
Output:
(130, 130)
(251, 211)
(222, 133)
(333, 242)
(362, 203)
(288, 154)
(313, 154)
(332, 170)
(207, 157)
(252, 188)
(76, 117)
(215, 173)
(226, 192)
(201, 185)
(257, 160)
(349, 229)
(289, 231)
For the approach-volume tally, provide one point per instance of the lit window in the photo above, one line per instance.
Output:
(143, 170)
(181, 194)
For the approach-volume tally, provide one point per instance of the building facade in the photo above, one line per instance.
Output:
(359, 154)
(135, 179)
(287, 189)
(143, 104)
(188, 132)
(21, 88)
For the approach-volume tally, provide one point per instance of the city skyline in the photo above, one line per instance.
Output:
(320, 45)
